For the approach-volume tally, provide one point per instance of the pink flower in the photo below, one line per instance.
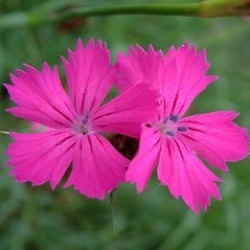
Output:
(172, 141)
(75, 121)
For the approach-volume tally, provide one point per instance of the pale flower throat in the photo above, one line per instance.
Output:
(82, 125)
(170, 126)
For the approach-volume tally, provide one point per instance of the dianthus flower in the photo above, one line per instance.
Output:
(176, 143)
(75, 122)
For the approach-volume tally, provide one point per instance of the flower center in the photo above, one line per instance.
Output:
(82, 125)
(171, 126)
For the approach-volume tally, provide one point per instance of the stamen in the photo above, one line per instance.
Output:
(174, 118)
(170, 133)
(82, 126)
(183, 129)
(85, 119)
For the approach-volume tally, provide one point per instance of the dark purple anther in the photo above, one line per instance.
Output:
(170, 133)
(85, 119)
(183, 129)
(174, 118)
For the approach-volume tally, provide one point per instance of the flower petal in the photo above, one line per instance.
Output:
(186, 176)
(142, 165)
(42, 157)
(40, 97)
(90, 75)
(125, 113)
(138, 66)
(180, 75)
(188, 78)
(216, 138)
(97, 167)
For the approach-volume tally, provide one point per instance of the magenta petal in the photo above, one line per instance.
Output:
(125, 113)
(186, 176)
(142, 165)
(216, 138)
(39, 97)
(90, 75)
(188, 78)
(42, 157)
(97, 167)
(180, 75)
(138, 66)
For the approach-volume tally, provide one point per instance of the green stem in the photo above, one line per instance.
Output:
(150, 9)
(191, 9)
(221, 8)
(112, 210)
(207, 9)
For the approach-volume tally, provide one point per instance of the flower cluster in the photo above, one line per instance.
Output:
(155, 92)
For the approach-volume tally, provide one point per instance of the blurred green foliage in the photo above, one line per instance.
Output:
(37, 218)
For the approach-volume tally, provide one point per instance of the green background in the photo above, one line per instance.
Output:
(37, 218)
